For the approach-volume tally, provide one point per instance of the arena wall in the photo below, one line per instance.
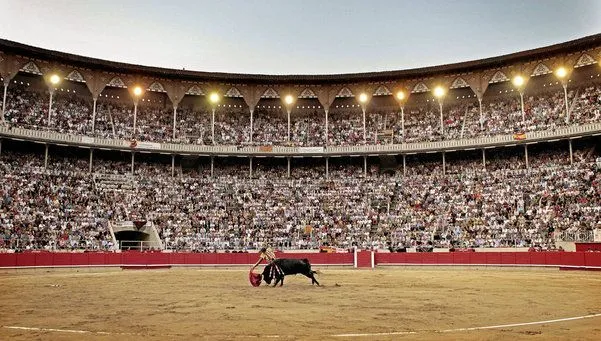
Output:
(590, 260)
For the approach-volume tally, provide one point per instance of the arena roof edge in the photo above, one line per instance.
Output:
(572, 46)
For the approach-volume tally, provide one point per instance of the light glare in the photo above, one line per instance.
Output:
(363, 98)
(137, 91)
(214, 98)
(289, 99)
(438, 92)
(561, 72)
(518, 81)
(55, 79)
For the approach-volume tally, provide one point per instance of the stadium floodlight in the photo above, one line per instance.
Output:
(363, 98)
(289, 99)
(214, 98)
(400, 95)
(55, 79)
(518, 81)
(438, 92)
(137, 91)
(561, 72)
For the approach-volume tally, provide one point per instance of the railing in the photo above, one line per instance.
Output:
(580, 236)
(137, 245)
(26, 243)
(172, 148)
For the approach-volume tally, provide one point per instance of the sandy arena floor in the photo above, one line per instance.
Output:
(219, 304)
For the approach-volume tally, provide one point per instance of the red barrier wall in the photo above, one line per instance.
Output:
(596, 246)
(571, 259)
(51, 259)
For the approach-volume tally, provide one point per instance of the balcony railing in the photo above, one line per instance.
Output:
(172, 148)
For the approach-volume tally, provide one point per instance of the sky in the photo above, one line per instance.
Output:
(296, 37)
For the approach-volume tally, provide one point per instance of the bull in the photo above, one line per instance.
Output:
(280, 268)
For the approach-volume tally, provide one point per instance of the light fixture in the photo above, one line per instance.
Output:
(55, 79)
(363, 98)
(289, 99)
(561, 72)
(214, 97)
(518, 81)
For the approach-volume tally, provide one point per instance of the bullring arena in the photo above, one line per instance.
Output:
(460, 201)
(384, 304)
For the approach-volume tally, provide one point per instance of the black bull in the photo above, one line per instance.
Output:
(288, 267)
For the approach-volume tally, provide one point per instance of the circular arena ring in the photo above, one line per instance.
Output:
(394, 303)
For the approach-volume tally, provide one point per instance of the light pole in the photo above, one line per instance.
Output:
(6, 83)
(54, 80)
(363, 100)
(439, 94)
(518, 81)
(561, 73)
(214, 99)
(289, 100)
(137, 94)
(400, 96)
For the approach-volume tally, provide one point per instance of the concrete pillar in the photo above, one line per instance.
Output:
(212, 165)
(484, 158)
(327, 167)
(250, 169)
(404, 164)
(172, 166)
(91, 167)
(444, 163)
(526, 155)
(365, 165)
(133, 156)
(46, 157)
(571, 152)
(288, 174)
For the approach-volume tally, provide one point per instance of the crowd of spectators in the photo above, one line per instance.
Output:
(72, 114)
(64, 207)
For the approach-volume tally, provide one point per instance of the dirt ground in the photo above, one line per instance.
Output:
(219, 304)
